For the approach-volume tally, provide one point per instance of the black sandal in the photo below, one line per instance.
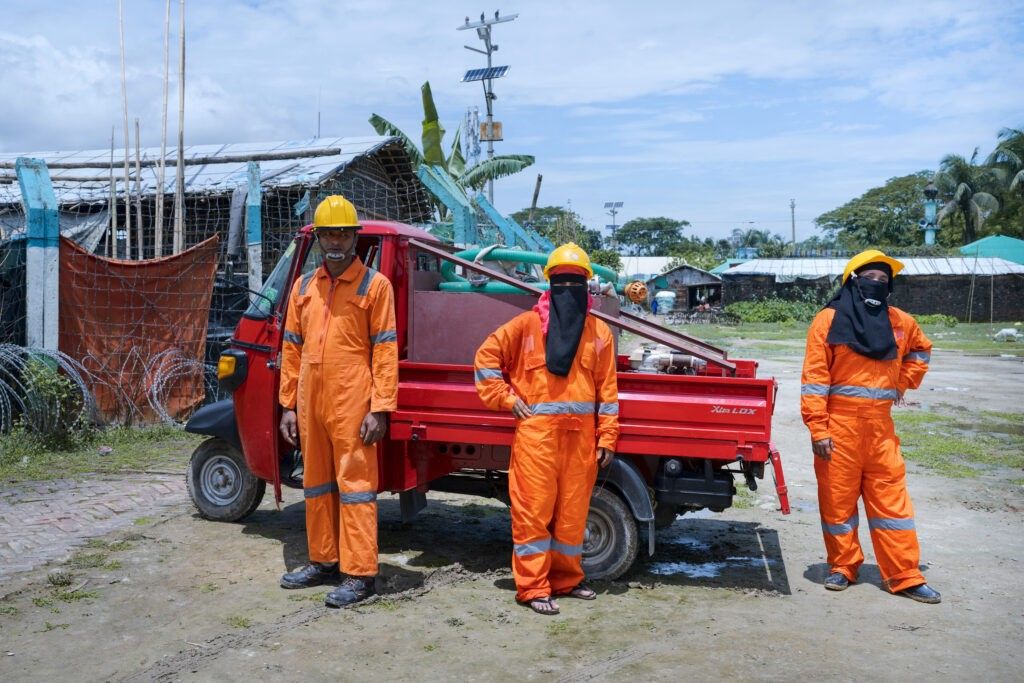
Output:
(583, 592)
(550, 612)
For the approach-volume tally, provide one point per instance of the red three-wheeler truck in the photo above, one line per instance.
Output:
(691, 418)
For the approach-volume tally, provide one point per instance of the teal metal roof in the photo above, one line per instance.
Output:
(1001, 246)
(726, 265)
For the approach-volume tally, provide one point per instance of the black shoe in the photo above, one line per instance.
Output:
(922, 593)
(837, 582)
(352, 590)
(312, 574)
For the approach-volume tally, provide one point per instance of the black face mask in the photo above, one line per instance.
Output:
(862, 319)
(566, 317)
(874, 293)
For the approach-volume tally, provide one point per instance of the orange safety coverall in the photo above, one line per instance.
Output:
(847, 396)
(340, 361)
(554, 454)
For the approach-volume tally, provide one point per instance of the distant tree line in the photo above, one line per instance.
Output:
(976, 198)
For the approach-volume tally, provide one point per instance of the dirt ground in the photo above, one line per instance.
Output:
(733, 595)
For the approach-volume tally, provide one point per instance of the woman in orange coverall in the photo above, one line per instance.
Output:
(561, 363)
(862, 355)
(339, 378)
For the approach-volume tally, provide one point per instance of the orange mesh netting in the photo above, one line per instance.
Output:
(135, 324)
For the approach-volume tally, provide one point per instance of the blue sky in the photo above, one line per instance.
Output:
(716, 113)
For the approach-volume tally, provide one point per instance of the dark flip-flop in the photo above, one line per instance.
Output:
(582, 592)
(532, 604)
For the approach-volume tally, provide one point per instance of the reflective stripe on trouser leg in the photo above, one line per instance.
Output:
(890, 514)
(839, 488)
(576, 476)
(319, 474)
(531, 488)
(357, 480)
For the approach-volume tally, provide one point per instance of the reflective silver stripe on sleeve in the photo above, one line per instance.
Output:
(864, 392)
(484, 374)
(608, 408)
(566, 549)
(292, 337)
(841, 528)
(533, 547)
(814, 390)
(563, 408)
(358, 497)
(922, 356)
(891, 524)
(364, 284)
(322, 490)
(306, 279)
(385, 336)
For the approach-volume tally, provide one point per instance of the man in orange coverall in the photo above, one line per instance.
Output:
(862, 355)
(339, 378)
(561, 363)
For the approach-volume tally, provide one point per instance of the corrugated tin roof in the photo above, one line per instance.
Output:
(792, 269)
(215, 177)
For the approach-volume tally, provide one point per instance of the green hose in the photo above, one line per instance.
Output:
(450, 277)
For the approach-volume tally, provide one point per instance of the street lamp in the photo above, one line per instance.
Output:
(490, 131)
(928, 224)
(612, 210)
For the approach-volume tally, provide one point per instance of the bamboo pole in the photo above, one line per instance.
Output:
(138, 194)
(158, 237)
(124, 112)
(179, 185)
(112, 233)
(279, 155)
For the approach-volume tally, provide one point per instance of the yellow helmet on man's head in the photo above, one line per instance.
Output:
(870, 256)
(568, 255)
(335, 212)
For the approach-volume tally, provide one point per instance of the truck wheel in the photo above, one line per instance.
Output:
(611, 541)
(220, 484)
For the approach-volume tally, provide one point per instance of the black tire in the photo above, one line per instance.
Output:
(612, 540)
(220, 484)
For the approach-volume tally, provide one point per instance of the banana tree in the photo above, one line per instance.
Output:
(453, 163)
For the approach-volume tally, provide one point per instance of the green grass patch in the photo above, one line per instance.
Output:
(110, 546)
(209, 588)
(963, 444)
(238, 622)
(113, 565)
(42, 602)
(47, 626)
(25, 458)
(744, 498)
(88, 560)
(429, 647)
(8, 610)
(143, 521)
(75, 596)
(311, 597)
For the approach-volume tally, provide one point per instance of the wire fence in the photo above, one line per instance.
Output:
(141, 328)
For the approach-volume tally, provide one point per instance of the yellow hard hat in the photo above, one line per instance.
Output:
(870, 256)
(568, 255)
(335, 212)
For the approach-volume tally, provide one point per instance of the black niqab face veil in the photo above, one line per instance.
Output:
(567, 315)
(862, 316)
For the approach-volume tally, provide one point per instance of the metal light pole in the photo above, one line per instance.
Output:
(491, 130)
(613, 209)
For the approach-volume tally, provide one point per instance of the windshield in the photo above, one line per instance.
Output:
(261, 306)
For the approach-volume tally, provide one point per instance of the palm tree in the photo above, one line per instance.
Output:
(967, 188)
(453, 163)
(1008, 158)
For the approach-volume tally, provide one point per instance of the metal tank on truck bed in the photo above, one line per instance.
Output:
(691, 418)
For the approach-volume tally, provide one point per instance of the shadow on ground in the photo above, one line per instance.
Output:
(475, 536)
